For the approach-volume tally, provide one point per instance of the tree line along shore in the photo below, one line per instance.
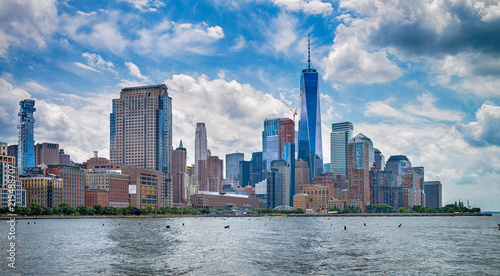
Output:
(64, 210)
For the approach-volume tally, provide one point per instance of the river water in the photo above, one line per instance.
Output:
(286, 246)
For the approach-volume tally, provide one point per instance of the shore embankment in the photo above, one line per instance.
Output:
(8, 217)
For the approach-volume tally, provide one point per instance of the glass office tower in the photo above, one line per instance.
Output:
(310, 144)
(26, 148)
(339, 139)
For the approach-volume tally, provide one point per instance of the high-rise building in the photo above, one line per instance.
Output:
(74, 182)
(359, 149)
(47, 153)
(256, 168)
(310, 141)
(141, 131)
(12, 151)
(379, 159)
(200, 147)
(211, 174)
(301, 175)
(26, 139)
(339, 139)
(271, 145)
(274, 188)
(433, 194)
(287, 133)
(397, 164)
(244, 173)
(11, 189)
(283, 168)
(64, 159)
(232, 164)
(179, 176)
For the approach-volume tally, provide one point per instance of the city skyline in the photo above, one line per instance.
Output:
(419, 89)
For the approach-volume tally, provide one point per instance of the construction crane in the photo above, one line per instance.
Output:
(291, 109)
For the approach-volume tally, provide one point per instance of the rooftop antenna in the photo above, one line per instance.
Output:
(308, 51)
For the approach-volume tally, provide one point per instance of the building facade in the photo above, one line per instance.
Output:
(211, 174)
(146, 187)
(141, 131)
(11, 189)
(112, 181)
(26, 139)
(74, 182)
(44, 190)
(397, 164)
(96, 197)
(215, 200)
(433, 194)
(232, 164)
(179, 174)
(274, 188)
(339, 140)
(47, 154)
(359, 149)
(200, 148)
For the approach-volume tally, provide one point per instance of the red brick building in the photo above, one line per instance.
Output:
(94, 196)
(73, 184)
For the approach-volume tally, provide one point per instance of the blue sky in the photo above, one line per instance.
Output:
(420, 78)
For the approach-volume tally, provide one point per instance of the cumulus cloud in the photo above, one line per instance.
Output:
(458, 40)
(485, 131)
(25, 23)
(78, 124)
(281, 34)
(306, 6)
(135, 71)
(169, 38)
(234, 113)
(9, 107)
(423, 111)
(146, 5)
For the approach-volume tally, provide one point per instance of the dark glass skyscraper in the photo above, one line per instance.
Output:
(26, 149)
(310, 144)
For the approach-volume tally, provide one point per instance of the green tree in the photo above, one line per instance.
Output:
(66, 209)
(82, 210)
(36, 209)
(98, 209)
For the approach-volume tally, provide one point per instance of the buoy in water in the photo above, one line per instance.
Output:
(168, 226)
(227, 226)
(345, 227)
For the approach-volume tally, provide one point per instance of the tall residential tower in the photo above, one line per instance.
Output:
(26, 141)
(200, 148)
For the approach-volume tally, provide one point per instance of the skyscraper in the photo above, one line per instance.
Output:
(397, 164)
(271, 146)
(141, 131)
(232, 164)
(200, 148)
(310, 145)
(433, 194)
(26, 141)
(211, 174)
(47, 153)
(339, 139)
(360, 150)
(141, 128)
(179, 175)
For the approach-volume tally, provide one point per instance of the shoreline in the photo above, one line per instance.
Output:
(8, 217)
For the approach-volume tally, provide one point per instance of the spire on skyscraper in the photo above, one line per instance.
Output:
(308, 51)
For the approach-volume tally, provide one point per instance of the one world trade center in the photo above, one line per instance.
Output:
(309, 140)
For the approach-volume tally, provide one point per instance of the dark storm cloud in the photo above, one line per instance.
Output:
(465, 32)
